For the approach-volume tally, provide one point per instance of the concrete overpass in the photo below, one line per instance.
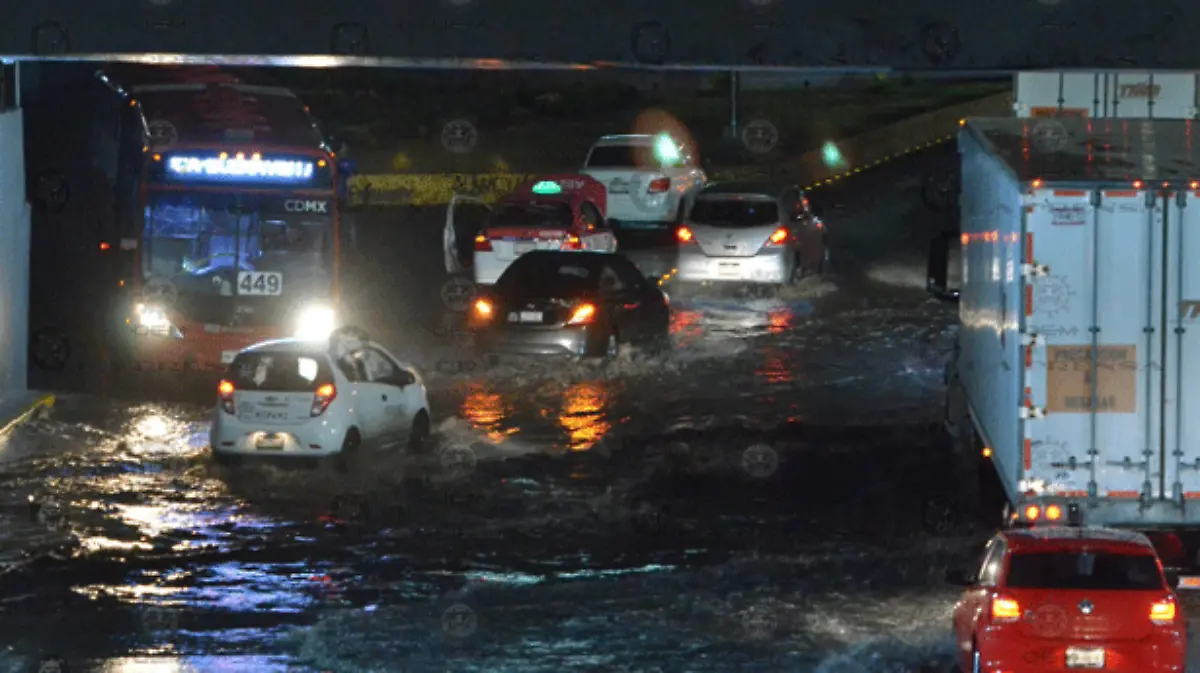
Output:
(743, 35)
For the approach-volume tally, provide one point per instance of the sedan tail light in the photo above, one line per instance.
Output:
(483, 309)
(583, 315)
(483, 244)
(225, 394)
(1163, 612)
(659, 186)
(1005, 610)
(322, 397)
(571, 242)
(779, 237)
(684, 235)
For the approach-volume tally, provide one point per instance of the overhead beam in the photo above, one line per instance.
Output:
(717, 34)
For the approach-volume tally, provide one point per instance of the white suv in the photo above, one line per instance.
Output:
(649, 179)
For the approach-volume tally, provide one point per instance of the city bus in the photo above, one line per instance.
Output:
(227, 223)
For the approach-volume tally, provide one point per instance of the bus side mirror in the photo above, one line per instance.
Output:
(944, 267)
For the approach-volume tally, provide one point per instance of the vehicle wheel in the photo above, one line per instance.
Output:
(348, 456)
(418, 437)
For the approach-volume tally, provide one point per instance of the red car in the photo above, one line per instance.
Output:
(1065, 598)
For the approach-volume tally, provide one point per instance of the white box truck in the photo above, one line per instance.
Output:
(1107, 94)
(1076, 377)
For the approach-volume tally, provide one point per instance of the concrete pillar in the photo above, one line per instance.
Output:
(15, 218)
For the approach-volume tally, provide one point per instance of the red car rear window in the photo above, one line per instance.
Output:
(1084, 570)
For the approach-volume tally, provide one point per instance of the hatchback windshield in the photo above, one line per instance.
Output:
(533, 214)
(270, 371)
(1084, 571)
(734, 212)
(536, 275)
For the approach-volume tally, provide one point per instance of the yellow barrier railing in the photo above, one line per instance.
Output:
(858, 153)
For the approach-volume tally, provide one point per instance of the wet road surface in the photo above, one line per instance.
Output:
(770, 496)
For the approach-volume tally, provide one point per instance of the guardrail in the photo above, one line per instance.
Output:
(858, 153)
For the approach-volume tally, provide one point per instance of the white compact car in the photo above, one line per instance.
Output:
(649, 179)
(300, 398)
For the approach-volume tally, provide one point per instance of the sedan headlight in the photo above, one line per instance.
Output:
(315, 323)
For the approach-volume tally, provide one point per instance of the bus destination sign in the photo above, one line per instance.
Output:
(239, 168)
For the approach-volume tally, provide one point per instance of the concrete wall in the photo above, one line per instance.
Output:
(14, 258)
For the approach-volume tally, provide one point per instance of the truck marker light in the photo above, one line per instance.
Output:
(1037, 183)
(987, 452)
(1137, 184)
(1194, 185)
(1032, 512)
(1053, 513)
(1005, 609)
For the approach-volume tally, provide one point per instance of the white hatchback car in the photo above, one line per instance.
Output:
(299, 398)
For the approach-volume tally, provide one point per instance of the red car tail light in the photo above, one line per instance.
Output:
(571, 242)
(1163, 612)
(1005, 610)
(483, 244)
(583, 315)
(483, 309)
(779, 237)
(225, 394)
(322, 397)
(659, 186)
(684, 235)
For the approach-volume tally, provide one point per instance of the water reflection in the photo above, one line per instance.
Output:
(778, 367)
(780, 321)
(584, 414)
(486, 411)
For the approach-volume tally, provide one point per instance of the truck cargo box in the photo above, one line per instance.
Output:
(1079, 352)
(1107, 94)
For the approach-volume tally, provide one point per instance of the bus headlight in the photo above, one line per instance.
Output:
(315, 323)
(148, 320)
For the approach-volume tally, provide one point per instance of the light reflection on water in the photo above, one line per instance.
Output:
(584, 414)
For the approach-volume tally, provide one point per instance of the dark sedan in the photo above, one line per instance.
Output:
(581, 304)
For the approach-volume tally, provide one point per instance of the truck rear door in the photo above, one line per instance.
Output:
(1095, 304)
(1180, 462)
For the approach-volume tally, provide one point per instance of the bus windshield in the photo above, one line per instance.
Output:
(203, 241)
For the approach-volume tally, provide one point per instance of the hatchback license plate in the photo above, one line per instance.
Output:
(729, 268)
(1085, 657)
(530, 316)
(270, 442)
(270, 415)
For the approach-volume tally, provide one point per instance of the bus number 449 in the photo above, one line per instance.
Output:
(260, 283)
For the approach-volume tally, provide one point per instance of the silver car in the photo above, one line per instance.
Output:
(750, 232)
